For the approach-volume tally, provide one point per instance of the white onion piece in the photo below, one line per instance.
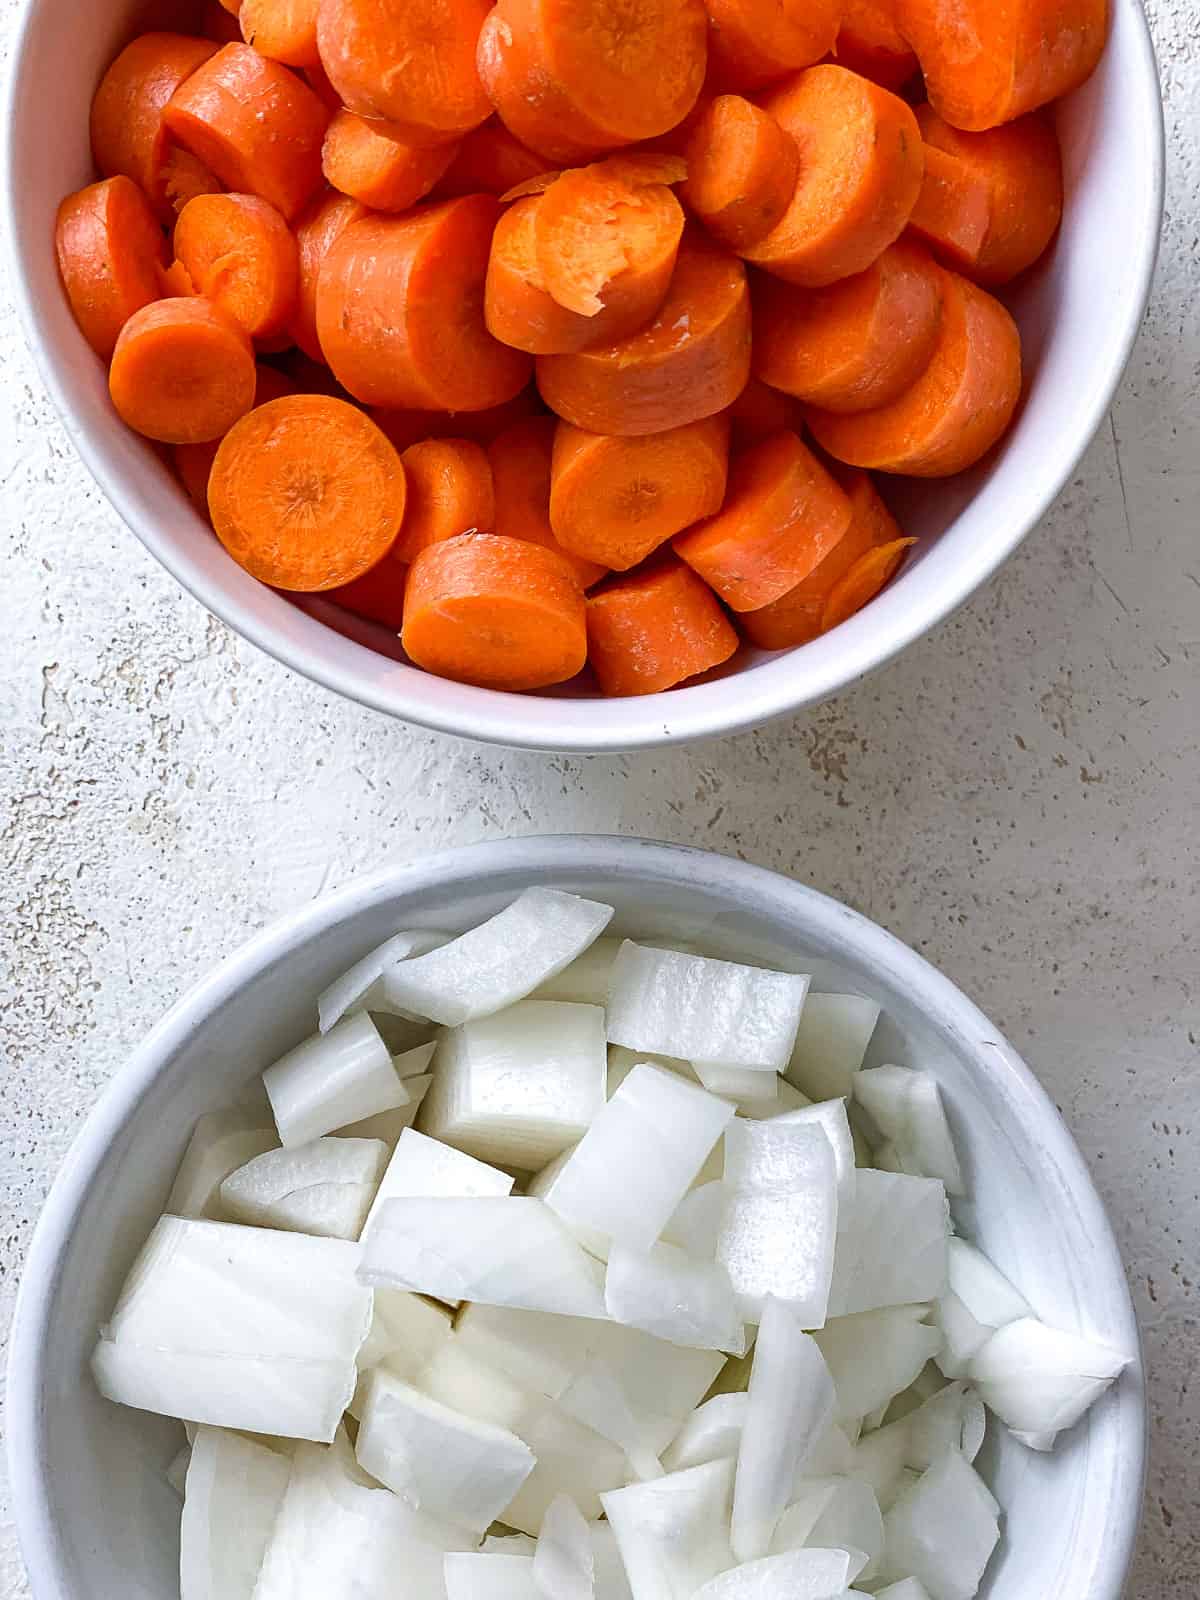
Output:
(951, 1419)
(831, 1041)
(333, 1079)
(597, 1399)
(637, 1160)
(906, 1589)
(698, 1009)
(780, 1241)
(673, 1534)
(738, 1083)
(893, 1249)
(358, 989)
(621, 1063)
(564, 1565)
(498, 962)
(674, 1296)
(406, 1331)
(586, 980)
(873, 1355)
(830, 1116)
(1040, 1380)
(834, 1513)
(978, 1299)
(389, 1125)
(696, 1221)
(906, 1107)
(234, 1490)
(542, 1352)
(243, 1328)
(612, 1581)
(221, 1142)
(508, 1544)
(421, 1166)
(942, 1530)
(795, 1575)
(176, 1470)
(962, 1335)
(663, 1382)
(785, 1098)
(713, 1430)
(325, 1187)
(791, 1403)
(482, 1575)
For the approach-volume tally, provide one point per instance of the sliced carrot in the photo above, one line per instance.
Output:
(521, 459)
(306, 493)
(384, 171)
(193, 462)
(500, 613)
(411, 62)
(870, 42)
(449, 492)
(957, 409)
(128, 133)
(322, 221)
(219, 23)
(752, 41)
(572, 78)
(240, 252)
(863, 582)
(742, 169)
(182, 371)
(760, 411)
(254, 124)
(782, 516)
(861, 163)
(1019, 168)
(489, 160)
(613, 501)
(111, 254)
(690, 362)
(653, 629)
(285, 30)
(378, 595)
(518, 308)
(405, 427)
(400, 310)
(856, 344)
(995, 62)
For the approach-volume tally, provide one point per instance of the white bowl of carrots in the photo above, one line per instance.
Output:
(573, 385)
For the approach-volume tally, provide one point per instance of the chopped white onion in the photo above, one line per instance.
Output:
(359, 989)
(621, 1063)
(696, 1221)
(421, 1166)
(794, 1575)
(1040, 1380)
(595, 1398)
(674, 1296)
(831, 1041)
(221, 1142)
(389, 1125)
(893, 1250)
(830, 1116)
(978, 1299)
(673, 1533)
(406, 1331)
(942, 1530)
(325, 1187)
(738, 1083)
(587, 978)
(906, 1107)
(233, 1493)
(834, 1513)
(713, 1430)
(564, 1565)
(333, 1079)
(874, 1354)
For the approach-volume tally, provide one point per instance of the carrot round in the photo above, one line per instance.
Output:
(182, 372)
(111, 254)
(500, 613)
(760, 411)
(742, 169)
(400, 310)
(193, 462)
(782, 516)
(690, 362)
(752, 41)
(322, 221)
(254, 124)
(306, 493)
(521, 458)
(652, 629)
(449, 492)
(857, 344)
(998, 61)
(607, 242)
(285, 30)
(870, 42)
(861, 163)
(517, 307)
(573, 78)
(489, 160)
(953, 210)
(409, 61)
(378, 595)
(955, 411)
(863, 582)
(366, 160)
(240, 252)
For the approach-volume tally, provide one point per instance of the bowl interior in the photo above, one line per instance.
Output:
(1079, 312)
(95, 1513)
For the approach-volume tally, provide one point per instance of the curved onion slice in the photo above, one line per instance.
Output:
(673, 1533)
(672, 1295)
(333, 1079)
(233, 1493)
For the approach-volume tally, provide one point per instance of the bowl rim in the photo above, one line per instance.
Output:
(630, 860)
(767, 689)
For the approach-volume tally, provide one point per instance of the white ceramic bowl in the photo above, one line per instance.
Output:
(94, 1514)
(1079, 314)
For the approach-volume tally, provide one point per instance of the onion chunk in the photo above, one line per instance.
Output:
(332, 1080)
(233, 1493)
(323, 1188)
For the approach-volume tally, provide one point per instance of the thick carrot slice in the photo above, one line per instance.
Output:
(957, 409)
(652, 629)
(378, 595)
(861, 163)
(219, 23)
(752, 41)
(759, 412)
(367, 160)
(409, 61)
(690, 362)
(193, 462)
(782, 516)
(607, 241)
(405, 427)
(240, 252)
(870, 42)
(182, 371)
(306, 493)
(858, 343)
(489, 160)
(254, 124)
(1018, 167)
(400, 310)
(998, 61)
(742, 169)
(573, 78)
(500, 613)
(449, 492)
(322, 221)
(521, 459)
(863, 582)
(111, 254)
(285, 30)
(128, 133)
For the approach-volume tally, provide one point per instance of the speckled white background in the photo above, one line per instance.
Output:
(1016, 798)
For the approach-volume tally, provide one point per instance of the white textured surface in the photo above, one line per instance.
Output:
(1016, 798)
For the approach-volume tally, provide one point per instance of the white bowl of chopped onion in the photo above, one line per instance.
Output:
(732, 1254)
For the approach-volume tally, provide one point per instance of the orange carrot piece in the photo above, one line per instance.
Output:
(1019, 168)
(742, 169)
(570, 79)
(306, 493)
(870, 42)
(499, 613)
(366, 160)
(652, 629)
(254, 124)
(752, 41)
(521, 459)
(219, 23)
(322, 221)
(285, 30)
(613, 501)
(782, 516)
(240, 252)
(690, 362)
(861, 164)
(405, 427)
(128, 133)
(957, 409)
(863, 582)
(193, 462)
(378, 595)
(176, 281)
(411, 62)
(999, 61)
(111, 255)
(182, 371)
(400, 310)
(489, 160)
(449, 492)
(857, 344)
(760, 411)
